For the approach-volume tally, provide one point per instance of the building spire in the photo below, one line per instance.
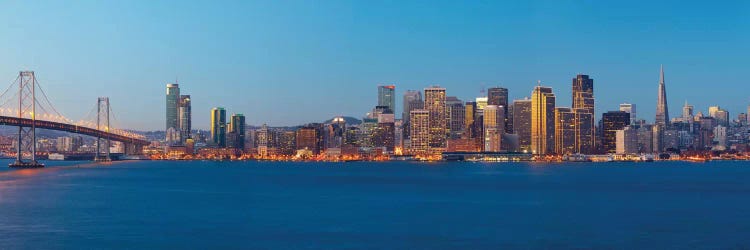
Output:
(662, 112)
(661, 74)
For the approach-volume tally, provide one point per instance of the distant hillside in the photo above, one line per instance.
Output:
(349, 120)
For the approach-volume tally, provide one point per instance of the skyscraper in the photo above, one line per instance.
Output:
(611, 122)
(387, 96)
(173, 102)
(542, 121)
(238, 131)
(583, 102)
(662, 112)
(630, 108)
(420, 131)
(522, 123)
(434, 103)
(584, 131)
(456, 116)
(499, 96)
(186, 117)
(412, 101)
(565, 131)
(219, 127)
(494, 124)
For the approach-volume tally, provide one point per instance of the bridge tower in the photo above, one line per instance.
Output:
(102, 124)
(26, 144)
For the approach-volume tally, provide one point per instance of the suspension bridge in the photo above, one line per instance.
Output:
(20, 107)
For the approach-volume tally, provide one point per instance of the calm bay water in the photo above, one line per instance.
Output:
(395, 205)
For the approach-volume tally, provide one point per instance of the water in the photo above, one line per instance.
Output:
(396, 205)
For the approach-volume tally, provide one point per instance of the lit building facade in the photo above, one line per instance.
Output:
(420, 131)
(611, 122)
(219, 127)
(542, 121)
(434, 103)
(522, 123)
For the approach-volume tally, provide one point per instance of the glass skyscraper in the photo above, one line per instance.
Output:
(173, 102)
(219, 127)
(387, 96)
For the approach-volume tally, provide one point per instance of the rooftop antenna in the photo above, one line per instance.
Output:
(482, 90)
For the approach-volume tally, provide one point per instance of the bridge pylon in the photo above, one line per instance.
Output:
(26, 143)
(102, 124)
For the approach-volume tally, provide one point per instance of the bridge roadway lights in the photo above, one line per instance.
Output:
(20, 164)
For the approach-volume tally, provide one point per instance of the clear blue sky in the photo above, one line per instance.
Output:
(291, 62)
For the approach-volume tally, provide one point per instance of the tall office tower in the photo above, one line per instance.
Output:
(384, 134)
(456, 116)
(470, 111)
(387, 96)
(522, 123)
(584, 131)
(287, 142)
(494, 126)
(412, 100)
(186, 117)
(687, 112)
(261, 140)
(499, 96)
(434, 102)
(662, 112)
(420, 131)
(307, 138)
(646, 139)
(565, 131)
(173, 102)
(542, 121)
(481, 102)
(748, 114)
(237, 125)
(583, 101)
(611, 122)
(219, 127)
(722, 117)
(630, 108)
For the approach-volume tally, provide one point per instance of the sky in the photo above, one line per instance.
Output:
(294, 62)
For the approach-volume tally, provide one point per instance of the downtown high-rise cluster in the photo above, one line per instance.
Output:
(432, 123)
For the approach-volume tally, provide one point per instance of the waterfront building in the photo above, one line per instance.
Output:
(219, 127)
(307, 138)
(542, 121)
(611, 122)
(584, 139)
(645, 139)
(420, 131)
(522, 123)
(434, 103)
(627, 140)
(565, 131)
(494, 127)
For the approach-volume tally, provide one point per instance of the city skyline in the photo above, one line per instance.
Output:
(511, 45)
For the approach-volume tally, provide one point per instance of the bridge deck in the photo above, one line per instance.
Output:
(25, 122)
